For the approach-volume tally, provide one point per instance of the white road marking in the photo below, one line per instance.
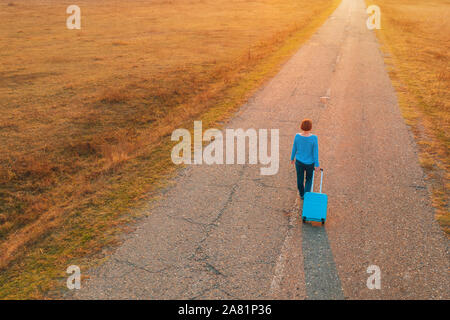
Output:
(281, 262)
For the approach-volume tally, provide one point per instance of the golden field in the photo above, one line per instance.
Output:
(416, 35)
(86, 115)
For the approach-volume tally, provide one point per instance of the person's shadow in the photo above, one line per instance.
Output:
(321, 277)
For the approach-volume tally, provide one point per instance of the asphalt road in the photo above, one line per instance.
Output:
(227, 232)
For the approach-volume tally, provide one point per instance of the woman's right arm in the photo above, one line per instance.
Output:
(316, 153)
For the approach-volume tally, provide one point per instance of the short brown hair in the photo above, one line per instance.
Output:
(306, 125)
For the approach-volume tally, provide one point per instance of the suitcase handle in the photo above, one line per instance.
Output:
(321, 180)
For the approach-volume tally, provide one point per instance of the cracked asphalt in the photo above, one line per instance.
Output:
(227, 232)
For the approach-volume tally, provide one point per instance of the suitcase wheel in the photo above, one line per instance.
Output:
(323, 221)
(304, 220)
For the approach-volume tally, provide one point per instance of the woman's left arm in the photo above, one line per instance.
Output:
(294, 150)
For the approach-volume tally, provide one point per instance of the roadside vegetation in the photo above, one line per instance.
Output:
(415, 35)
(86, 115)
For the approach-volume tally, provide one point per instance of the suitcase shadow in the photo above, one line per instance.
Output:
(321, 277)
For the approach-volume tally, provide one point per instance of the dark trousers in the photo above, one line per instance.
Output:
(301, 169)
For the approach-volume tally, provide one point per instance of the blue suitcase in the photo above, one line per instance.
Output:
(315, 204)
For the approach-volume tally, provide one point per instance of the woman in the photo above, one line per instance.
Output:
(305, 152)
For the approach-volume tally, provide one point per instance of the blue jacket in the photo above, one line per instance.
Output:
(306, 149)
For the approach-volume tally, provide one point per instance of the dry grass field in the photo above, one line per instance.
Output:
(86, 115)
(416, 35)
